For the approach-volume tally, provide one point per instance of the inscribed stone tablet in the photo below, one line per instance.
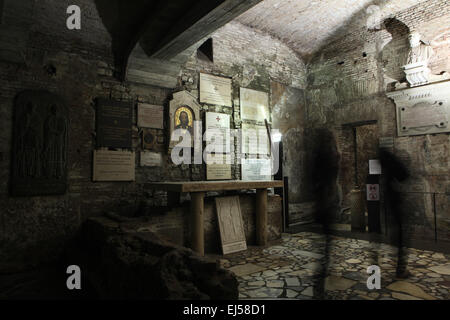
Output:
(218, 167)
(218, 126)
(256, 169)
(114, 165)
(114, 123)
(150, 116)
(215, 90)
(231, 225)
(254, 105)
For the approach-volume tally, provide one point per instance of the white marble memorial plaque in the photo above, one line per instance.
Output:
(215, 90)
(423, 110)
(114, 165)
(218, 126)
(255, 139)
(254, 105)
(150, 116)
(256, 169)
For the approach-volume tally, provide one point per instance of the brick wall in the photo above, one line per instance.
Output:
(33, 229)
(347, 82)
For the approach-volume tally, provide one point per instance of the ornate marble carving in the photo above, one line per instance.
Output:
(416, 70)
(423, 110)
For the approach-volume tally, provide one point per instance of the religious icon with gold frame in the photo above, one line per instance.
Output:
(184, 111)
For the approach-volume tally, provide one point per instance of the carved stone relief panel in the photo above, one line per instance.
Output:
(39, 155)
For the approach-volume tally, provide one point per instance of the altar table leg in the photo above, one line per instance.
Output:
(197, 230)
(261, 217)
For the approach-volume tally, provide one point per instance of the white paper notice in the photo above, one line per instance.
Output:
(374, 167)
(256, 169)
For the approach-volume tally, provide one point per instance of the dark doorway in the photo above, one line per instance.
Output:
(366, 138)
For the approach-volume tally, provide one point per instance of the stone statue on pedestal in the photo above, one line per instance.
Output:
(420, 52)
(416, 69)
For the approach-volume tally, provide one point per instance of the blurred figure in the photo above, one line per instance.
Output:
(324, 174)
(394, 172)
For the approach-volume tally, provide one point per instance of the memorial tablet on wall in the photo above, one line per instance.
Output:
(40, 139)
(114, 121)
(255, 139)
(256, 169)
(218, 125)
(113, 165)
(218, 167)
(184, 111)
(423, 110)
(150, 116)
(254, 105)
(215, 90)
(231, 225)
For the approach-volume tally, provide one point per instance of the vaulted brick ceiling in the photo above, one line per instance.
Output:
(307, 25)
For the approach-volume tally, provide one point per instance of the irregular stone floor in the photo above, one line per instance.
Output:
(294, 269)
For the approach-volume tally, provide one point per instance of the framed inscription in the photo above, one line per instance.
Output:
(150, 116)
(218, 167)
(215, 90)
(40, 138)
(256, 169)
(254, 105)
(184, 111)
(231, 225)
(423, 110)
(218, 125)
(255, 139)
(113, 165)
(113, 121)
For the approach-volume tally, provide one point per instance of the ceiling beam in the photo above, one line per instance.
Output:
(202, 20)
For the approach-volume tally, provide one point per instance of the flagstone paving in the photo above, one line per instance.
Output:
(298, 268)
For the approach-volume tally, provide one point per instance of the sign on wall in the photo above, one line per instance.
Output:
(150, 116)
(255, 139)
(218, 167)
(256, 169)
(113, 123)
(254, 105)
(215, 90)
(375, 167)
(423, 110)
(219, 125)
(373, 192)
(113, 165)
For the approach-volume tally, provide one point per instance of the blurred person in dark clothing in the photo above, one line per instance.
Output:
(395, 172)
